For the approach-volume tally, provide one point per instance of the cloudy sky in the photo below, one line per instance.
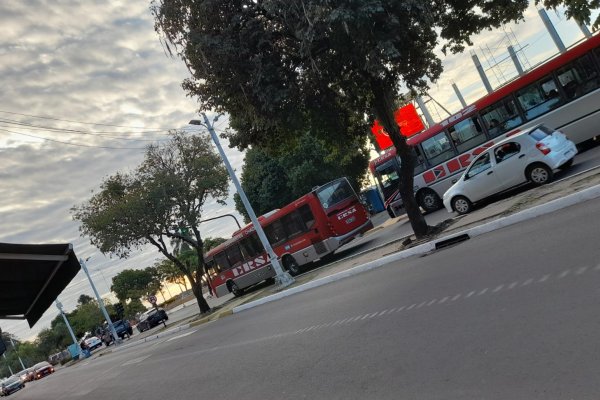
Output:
(86, 85)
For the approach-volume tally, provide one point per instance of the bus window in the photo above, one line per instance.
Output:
(251, 246)
(419, 160)
(579, 77)
(388, 174)
(501, 117)
(307, 216)
(221, 261)
(293, 224)
(539, 98)
(334, 193)
(467, 134)
(438, 149)
(275, 233)
(234, 255)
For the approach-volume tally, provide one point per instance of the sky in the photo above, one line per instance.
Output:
(87, 85)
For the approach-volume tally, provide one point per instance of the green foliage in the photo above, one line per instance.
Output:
(133, 284)
(211, 243)
(274, 180)
(84, 299)
(134, 307)
(151, 205)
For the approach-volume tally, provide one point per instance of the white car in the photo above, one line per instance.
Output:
(531, 155)
(93, 343)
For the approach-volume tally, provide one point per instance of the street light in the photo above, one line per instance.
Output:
(283, 278)
(59, 306)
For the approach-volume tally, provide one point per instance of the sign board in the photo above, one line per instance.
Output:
(407, 119)
(152, 299)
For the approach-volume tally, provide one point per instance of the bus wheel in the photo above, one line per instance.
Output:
(429, 200)
(235, 289)
(291, 266)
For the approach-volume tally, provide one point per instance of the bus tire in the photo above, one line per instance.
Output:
(429, 200)
(291, 265)
(462, 205)
(539, 174)
(235, 289)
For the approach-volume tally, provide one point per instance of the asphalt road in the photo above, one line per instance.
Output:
(509, 315)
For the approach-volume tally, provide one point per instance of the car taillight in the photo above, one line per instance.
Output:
(543, 148)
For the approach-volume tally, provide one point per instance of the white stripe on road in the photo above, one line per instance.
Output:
(182, 335)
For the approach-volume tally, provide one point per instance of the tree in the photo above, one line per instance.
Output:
(275, 64)
(131, 284)
(158, 201)
(211, 242)
(171, 273)
(274, 180)
(84, 299)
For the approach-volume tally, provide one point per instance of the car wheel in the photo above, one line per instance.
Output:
(539, 174)
(292, 266)
(429, 200)
(462, 205)
(235, 289)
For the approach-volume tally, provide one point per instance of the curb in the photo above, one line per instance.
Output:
(554, 205)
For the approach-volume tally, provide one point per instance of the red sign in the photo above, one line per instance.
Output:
(407, 119)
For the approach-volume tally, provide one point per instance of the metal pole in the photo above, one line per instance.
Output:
(7, 364)
(425, 111)
(553, 34)
(482, 74)
(283, 277)
(459, 95)
(100, 302)
(221, 216)
(515, 60)
(15, 349)
(59, 306)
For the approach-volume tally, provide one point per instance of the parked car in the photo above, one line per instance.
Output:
(11, 385)
(528, 156)
(26, 375)
(42, 369)
(123, 328)
(93, 343)
(151, 318)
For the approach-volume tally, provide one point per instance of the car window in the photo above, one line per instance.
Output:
(506, 151)
(479, 165)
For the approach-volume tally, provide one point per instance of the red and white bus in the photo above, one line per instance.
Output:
(563, 93)
(302, 232)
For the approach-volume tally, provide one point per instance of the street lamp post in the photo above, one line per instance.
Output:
(18, 356)
(100, 302)
(283, 278)
(59, 306)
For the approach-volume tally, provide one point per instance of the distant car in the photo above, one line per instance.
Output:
(151, 318)
(123, 328)
(42, 369)
(27, 375)
(528, 156)
(93, 343)
(11, 385)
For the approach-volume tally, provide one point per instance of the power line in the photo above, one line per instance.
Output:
(73, 144)
(81, 122)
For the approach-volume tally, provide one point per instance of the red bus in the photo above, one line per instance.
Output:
(563, 93)
(300, 233)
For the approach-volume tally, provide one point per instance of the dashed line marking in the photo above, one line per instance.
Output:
(382, 313)
(372, 315)
(422, 304)
(482, 292)
(456, 297)
(470, 294)
(400, 309)
(564, 273)
(513, 285)
(365, 316)
(431, 302)
(498, 288)
(444, 299)
(581, 270)
(527, 282)
(544, 278)
(411, 307)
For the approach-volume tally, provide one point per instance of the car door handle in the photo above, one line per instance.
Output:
(454, 180)
(491, 172)
(522, 155)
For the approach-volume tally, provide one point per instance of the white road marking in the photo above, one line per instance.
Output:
(482, 292)
(564, 273)
(411, 307)
(182, 335)
(498, 288)
(456, 297)
(365, 316)
(544, 278)
(135, 360)
(444, 299)
(470, 294)
(393, 310)
(381, 313)
(581, 270)
(431, 302)
(527, 282)
(422, 304)
(400, 309)
(513, 285)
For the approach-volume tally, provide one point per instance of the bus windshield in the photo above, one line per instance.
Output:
(335, 192)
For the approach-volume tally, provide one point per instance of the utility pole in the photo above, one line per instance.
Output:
(100, 303)
(18, 356)
(7, 364)
(59, 306)
(283, 278)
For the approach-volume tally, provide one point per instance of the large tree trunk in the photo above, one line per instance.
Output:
(384, 111)
(197, 290)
